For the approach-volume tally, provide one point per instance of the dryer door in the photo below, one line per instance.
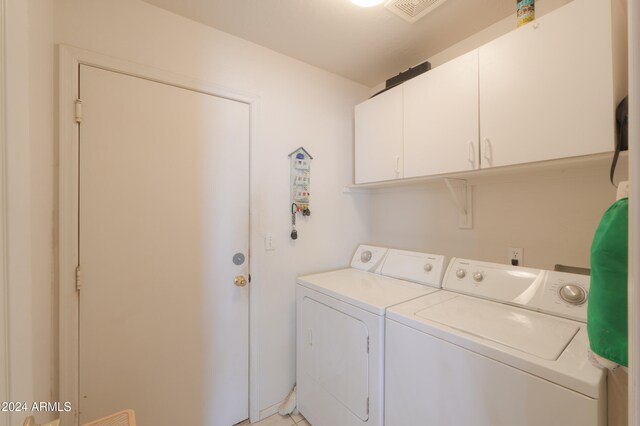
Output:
(334, 355)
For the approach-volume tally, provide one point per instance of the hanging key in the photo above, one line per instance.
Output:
(294, 211)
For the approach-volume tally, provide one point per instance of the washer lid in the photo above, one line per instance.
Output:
(536, 334)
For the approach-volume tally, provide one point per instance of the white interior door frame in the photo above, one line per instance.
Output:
(4, 282)
(634, 212)
(70, 59)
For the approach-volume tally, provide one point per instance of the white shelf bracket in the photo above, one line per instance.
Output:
(461, 195)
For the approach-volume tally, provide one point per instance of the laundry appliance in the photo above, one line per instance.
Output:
(340, 331)
(498, 346)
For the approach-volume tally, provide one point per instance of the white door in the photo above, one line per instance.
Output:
(164, 207)
(378, 137)
(441, 119)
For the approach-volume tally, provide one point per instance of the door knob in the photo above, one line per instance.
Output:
(240, 281)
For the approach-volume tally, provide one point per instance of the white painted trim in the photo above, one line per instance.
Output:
(5, 377)
(634, 212)
(269, 411)
(254, 292)
(70, 58)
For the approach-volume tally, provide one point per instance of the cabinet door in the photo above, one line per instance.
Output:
(546, 89)
(378, 137)
(441, 119)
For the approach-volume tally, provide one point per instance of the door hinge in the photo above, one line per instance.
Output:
(368, 344)
(78, 111)
(78, 283)
(367, 406)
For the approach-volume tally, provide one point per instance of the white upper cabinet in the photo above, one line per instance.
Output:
(547, 89)
(378, 137)
(441, 119)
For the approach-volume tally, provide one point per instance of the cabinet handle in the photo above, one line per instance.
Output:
(472, 154)
(486, 150)
(397, 164)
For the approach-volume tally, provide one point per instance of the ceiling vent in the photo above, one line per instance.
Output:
(412, 10)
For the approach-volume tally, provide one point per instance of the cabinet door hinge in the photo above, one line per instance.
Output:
(78, 111)
(368, 344)
(78, 282)
(367, 406)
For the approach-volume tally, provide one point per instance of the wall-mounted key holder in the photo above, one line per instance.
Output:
(300, 163)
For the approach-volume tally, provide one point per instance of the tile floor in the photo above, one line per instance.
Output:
(278, 420)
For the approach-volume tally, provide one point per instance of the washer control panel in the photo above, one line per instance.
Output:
(573, 294)
(564, 294)
(488, 280)
(557, 293)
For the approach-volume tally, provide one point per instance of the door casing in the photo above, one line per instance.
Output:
(70, 58)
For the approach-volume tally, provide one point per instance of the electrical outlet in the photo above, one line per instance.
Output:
(516, 256)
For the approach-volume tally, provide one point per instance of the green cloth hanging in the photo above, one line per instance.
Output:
(607, 309)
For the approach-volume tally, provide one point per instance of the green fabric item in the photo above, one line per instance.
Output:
(607, 309)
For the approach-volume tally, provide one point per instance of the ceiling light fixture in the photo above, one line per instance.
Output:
(366, 3)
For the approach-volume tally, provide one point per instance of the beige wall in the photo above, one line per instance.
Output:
(552, 215)
(29, 160)
(297, 105)
(481, 37)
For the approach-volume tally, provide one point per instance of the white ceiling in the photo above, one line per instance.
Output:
(367, 45)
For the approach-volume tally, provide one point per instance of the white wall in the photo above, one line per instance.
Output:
(30, 211)
(298, 105)
(482, 37)
(18, 205)
(43, 214)
(551, 215)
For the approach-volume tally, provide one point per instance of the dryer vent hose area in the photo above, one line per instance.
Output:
(288, 406)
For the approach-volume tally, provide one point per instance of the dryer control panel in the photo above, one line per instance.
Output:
(369, 258)
(421, 268)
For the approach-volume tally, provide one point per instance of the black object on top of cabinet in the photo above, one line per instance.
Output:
(405, 75)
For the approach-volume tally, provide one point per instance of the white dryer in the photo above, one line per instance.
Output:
(340, 332)
(498, 346)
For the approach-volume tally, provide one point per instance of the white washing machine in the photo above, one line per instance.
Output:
(340, 332)
(498, 346)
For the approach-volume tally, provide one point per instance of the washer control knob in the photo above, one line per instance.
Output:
(573, 294)
(461, 273)
(428, 267)
(365, 256)
(478, 276)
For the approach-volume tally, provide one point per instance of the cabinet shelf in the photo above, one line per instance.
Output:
(495, 174)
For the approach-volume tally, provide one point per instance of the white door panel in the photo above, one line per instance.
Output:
(164, 206)
(441, 119)
(335, 355)
(546, 89)
(378, 137)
